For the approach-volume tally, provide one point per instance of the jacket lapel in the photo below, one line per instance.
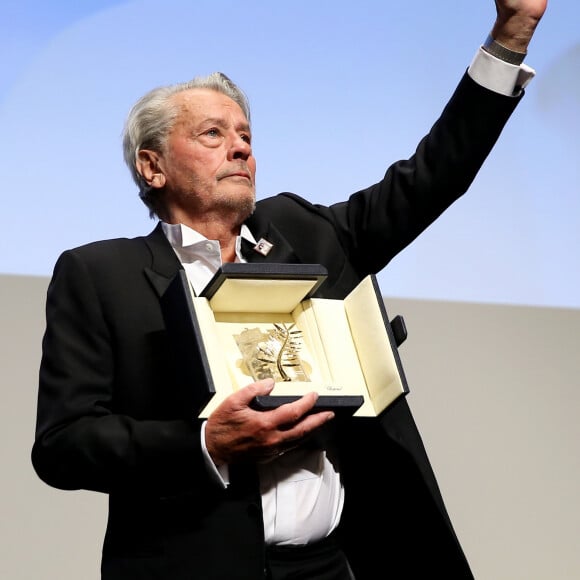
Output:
(281, 251)
(164, 262)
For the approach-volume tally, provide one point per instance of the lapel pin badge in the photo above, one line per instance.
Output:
(263, 247)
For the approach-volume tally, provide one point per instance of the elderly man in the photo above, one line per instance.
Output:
(244, 494)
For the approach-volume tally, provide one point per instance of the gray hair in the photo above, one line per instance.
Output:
(152, 117)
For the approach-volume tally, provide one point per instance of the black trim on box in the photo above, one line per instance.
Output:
(342, 406)
(191, 363)
(269, 271)
(399, 329)
(396, 331)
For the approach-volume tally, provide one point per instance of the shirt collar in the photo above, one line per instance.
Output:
(182, 236)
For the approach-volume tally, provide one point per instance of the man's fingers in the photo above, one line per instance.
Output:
(291, 413)
(260, 388)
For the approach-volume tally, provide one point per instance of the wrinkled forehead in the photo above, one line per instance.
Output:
(199, 103)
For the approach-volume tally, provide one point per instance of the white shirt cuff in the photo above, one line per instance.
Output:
(220, 474)
(499, 76)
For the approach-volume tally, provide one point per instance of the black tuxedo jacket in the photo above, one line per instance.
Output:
(112, 418)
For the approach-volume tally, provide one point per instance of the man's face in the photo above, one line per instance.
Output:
(208, 167)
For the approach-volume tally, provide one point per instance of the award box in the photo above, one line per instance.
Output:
(254, 321)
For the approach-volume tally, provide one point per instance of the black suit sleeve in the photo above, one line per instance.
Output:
(361, 235)
(86, 438)
(380, 221)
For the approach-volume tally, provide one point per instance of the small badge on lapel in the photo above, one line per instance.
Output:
(263, 247)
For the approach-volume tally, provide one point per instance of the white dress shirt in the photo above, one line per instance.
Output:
(302, 495)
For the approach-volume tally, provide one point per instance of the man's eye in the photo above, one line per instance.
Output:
(212, 133)
(247, 139)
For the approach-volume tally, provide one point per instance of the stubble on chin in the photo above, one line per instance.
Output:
(242, 206)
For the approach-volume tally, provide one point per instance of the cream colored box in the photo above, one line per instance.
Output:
(254, 321)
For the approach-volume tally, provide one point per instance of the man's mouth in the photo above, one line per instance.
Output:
(243, 174)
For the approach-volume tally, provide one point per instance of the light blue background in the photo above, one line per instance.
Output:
(338, 91)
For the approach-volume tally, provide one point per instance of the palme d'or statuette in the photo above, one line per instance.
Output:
(273, 353)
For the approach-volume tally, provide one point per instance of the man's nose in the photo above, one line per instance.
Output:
(240, 148)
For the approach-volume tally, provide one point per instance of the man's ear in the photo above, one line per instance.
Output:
(147, 165)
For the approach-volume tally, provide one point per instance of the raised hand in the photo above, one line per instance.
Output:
(516, 22)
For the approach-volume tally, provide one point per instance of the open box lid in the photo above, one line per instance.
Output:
(270, 287)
